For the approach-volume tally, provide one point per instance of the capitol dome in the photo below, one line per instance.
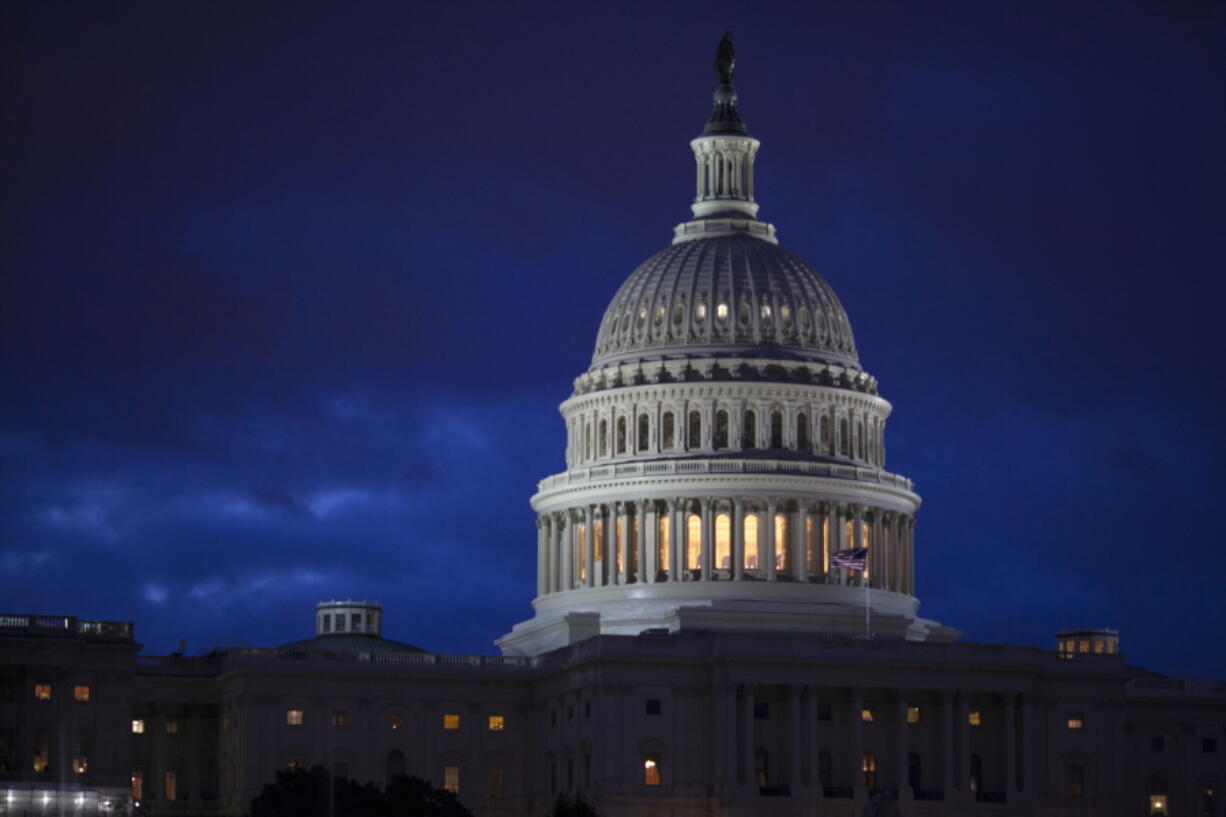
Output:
(725, 450)
(731, 294)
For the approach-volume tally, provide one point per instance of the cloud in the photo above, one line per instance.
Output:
(15, 562)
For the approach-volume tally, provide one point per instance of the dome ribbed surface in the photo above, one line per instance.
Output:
(725, 296)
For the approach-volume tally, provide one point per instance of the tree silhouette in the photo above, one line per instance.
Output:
(314, 793)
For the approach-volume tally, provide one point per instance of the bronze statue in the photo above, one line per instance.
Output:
(725, 59)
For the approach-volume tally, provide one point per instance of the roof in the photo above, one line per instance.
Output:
(349, 642)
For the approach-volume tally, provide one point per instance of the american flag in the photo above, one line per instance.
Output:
(853, 559)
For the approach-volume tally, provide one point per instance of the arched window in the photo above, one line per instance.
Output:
(603, 442)
(761, 768)
(749, 434)
(860, 441)
(781, 541)
(587, 441)
(651, 769)
(824, 774)
(844, 437)
(395, 764)
(776, 430)
(621, 435)
(723, 542)
(915, 772)
(695, 430)
(810, 547)
(802, 432)
(667, 435)
(752, 555)
(643, 435)
(869, 767)
(976, 774)
(663, 554)
(693, 542)
(825, 434)
(721, 429)
(597, 544)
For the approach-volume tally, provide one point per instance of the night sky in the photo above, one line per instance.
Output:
(291, 293)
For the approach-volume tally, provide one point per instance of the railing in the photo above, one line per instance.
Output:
(1168, 687)
(579, 476)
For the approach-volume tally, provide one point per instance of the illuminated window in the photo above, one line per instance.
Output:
(723, 542)
(1076, 781)
(1098, 646)
(1083, 645)
(170, 786)
(293, 717)
(138, 785)
(395, 720)
(497, 723)
(451, 722)
(913, 715)
(495, 778)
(693, 542)
(700, 312)
(80, 756)
(80, 693)
(664, 554)
(42, 692)
(785, 312)
(1074, 720)
(340, 719)
(752, 555)
(721, 311)
(138, 727)
(293, 765)
(172, 727)
(781, 540)
(1110, 648)
(451, 779)
(866, 714)
(974, 718)
(766, 313)
(651, 769)
(869, 767)
(1157, 804)
(42, 751)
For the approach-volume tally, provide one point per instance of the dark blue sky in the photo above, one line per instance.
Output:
(291, 293)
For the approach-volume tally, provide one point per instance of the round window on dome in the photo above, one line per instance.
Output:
(678, 314)
(658, 318)
(785, 314)
(700, 312)
(642, 316)
(766, 313)
(721, 312)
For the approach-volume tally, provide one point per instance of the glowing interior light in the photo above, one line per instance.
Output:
(721, 312)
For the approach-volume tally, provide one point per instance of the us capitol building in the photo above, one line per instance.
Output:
(699, 644)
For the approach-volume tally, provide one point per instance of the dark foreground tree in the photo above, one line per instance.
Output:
(566, 806)
(314, 793)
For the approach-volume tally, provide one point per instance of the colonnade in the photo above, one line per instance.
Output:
(714, 538)
(791, 757)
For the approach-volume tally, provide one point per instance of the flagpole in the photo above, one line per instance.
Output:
(864, 578)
